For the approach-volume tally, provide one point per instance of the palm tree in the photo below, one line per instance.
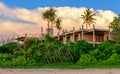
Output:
(88, 17)
(58, 23)
(49, 15)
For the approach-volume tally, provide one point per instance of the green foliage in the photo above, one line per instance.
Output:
(51, 18)
(86, 60)
(52, 51)
(9, 47)
(113, 60)
(106, 49)
(99, 55)
(84, 46)
(49, 39)
(88, 17)
(116, 48)
(5, 57)
(115, 25)
(30, 41)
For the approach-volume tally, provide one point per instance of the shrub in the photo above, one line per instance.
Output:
(113, 60)
(9, 47)
(106, 48)
(6, 57)
(84, 46)
(30, 42)
(22, 61)
(116, 48)
(86, 60)
(99, 55)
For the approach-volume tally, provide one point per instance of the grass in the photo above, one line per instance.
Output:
(74, 66)
(62, 66)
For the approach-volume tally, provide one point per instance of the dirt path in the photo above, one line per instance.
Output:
(59, 71)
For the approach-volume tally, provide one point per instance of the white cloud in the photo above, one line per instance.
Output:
(21, 20)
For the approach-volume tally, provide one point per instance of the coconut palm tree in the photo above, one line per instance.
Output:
(88, 17)
(49, 15)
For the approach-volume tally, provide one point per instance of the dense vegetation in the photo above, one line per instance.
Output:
(36, 53)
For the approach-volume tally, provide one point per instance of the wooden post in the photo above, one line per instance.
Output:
(93, 35)
(82, 32)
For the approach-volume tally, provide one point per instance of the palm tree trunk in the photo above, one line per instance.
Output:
(48, 28)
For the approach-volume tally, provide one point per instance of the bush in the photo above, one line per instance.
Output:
(9, 47)
(106, 48)
(86, 60)
(113, 60)
(22, 61)
(30, 42)
(6, 57)
(99, 55)
(116, 48)
(84, 46)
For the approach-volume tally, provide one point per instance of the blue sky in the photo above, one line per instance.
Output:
(113, 5)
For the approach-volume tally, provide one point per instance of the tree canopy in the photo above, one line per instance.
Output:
(115, 24)
(88, 17)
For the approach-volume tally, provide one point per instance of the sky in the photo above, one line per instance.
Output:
(18, 17)
(31, 4)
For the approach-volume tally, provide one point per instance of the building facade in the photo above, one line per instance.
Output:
(94, 35)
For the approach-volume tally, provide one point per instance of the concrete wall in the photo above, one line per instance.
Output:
(50, 32)
(106, 36)
(88, 37)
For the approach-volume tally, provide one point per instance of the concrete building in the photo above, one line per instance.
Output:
(94, 35)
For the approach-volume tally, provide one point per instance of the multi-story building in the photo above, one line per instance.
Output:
(94, 35)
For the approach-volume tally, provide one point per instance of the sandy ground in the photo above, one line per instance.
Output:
(59, 71)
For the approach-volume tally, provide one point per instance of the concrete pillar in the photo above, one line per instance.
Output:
(93, 35)
(25, 34)
(49, 31)
(65, 38)
(58, 35)
(73, 35)
(41, 32)
(82, 32)
(109, 37)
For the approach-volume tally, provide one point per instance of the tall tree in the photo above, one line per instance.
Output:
(58, 23)
(88, 17)
(49, 15)
(51, 18)
(115, 26)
